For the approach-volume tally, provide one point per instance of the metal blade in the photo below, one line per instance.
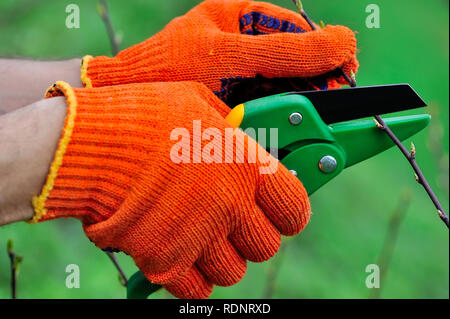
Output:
(348, 104)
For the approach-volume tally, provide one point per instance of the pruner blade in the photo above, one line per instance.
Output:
(348, 104)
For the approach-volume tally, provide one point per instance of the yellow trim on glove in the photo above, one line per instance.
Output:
(84, 69)
(57, 89)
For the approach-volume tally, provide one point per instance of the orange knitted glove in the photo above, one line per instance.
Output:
(186, 225)
(221, 43)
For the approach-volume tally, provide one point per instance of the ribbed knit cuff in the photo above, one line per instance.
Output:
(85, 79)
(60, 88)
(92, 167)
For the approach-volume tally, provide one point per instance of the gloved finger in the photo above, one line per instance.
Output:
(262, 18)
(162, 255)
(292, 55)
(222, 264)
(284, 200)
(191, 285)
(255, 237)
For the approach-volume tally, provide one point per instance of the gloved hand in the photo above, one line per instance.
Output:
(219, 42)
(187, 225)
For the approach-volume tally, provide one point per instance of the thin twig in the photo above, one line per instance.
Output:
(15, 261)
(435, 142)
(390, 240)
(114, 40)
(383, 126)
(410, 156)
(305, 16)
(12, 257)
(272, 272)
(104, 14)
(122, 277)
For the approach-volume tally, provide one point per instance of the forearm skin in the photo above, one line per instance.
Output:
(28, 140)
(23, 82)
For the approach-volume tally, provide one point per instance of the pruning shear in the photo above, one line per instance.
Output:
(320, 133)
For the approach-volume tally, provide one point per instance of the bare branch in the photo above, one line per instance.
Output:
(103, 11)
(15, 261)
(272, 272)
(122, 277)
(418, 173)
(383, 126)
(104, 14)
(390, 240)
(435, 141)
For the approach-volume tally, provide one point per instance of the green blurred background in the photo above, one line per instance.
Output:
(351, 214)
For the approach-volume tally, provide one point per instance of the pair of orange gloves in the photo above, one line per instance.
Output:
(188, 226)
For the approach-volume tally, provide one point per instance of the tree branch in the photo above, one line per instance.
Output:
(440, 156)
(390, 240)
(104, 14)
(103, 11)
(122, 277)
(272, 272)
(411, 157)
(383, 126)
(15, 261)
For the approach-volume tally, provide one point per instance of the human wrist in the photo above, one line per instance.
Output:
(28, 137)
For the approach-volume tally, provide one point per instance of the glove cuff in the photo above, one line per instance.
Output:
(85, 79)
(96, 156)
(39, 201)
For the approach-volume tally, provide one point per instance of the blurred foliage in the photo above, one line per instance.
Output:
(351, 214)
